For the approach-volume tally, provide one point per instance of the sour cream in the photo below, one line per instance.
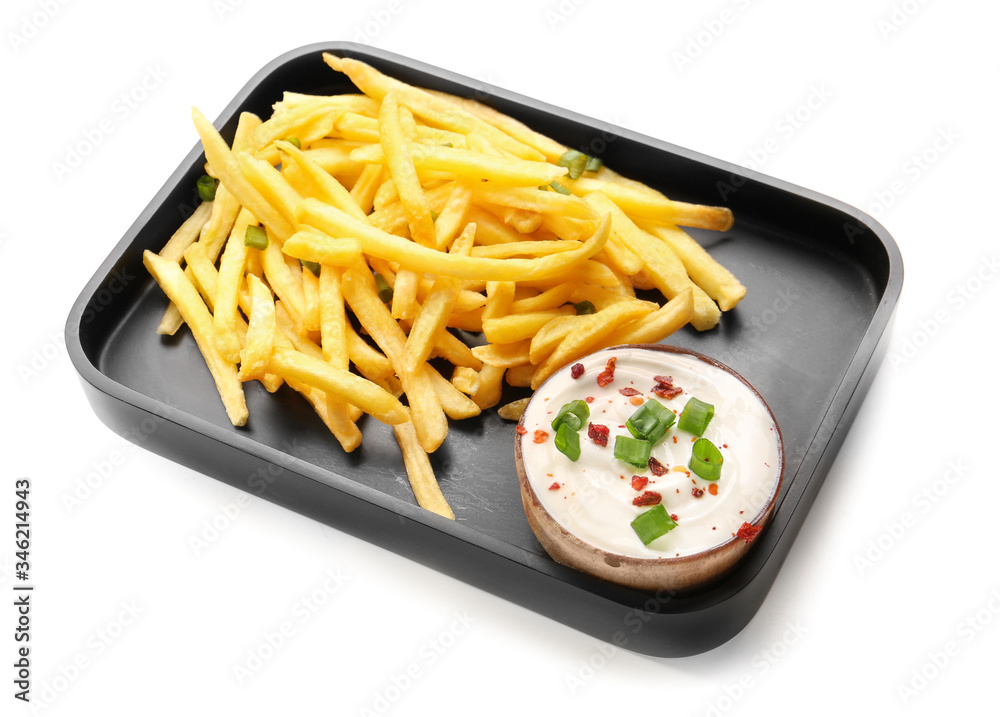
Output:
(592, 498)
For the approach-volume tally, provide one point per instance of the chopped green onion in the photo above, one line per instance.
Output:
(312, 266)
(695, 416)
(706, 460)
(574, 414)
(634, 451)
(568, 441)
(384, 290)
(256, 237)
(206, 188)
(434, 216)
(651, 421)
(294, 141)
(575, 161)
(584, 307)
(652, 524)
(556, 187)
(593, 164)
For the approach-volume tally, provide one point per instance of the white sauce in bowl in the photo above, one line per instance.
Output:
(594, 498)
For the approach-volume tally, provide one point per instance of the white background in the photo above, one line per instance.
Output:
(159, 629)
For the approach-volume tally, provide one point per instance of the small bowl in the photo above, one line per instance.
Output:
(682, 573)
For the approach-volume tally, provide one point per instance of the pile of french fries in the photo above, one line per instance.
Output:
(358, 229)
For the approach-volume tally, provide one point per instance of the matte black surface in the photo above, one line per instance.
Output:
(822, 283)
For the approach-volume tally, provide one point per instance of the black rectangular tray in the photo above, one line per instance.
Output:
(823, 280)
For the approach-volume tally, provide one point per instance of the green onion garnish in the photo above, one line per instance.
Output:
(568, 441)
(584, 307)
(652, 524)
(706, 460)
(434, 216)
(556, 187)
(634, 451)
(695, 416)
(256, 237)
(206, 188)
(593, 164)
(651, 421)
(384, 290)
(294, 141)
(575, 161)
(574, 414)
(312, 266)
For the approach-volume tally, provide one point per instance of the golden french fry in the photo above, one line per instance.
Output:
(283, 283)
(456, 404)
(521, 376)
(187, 233)
(354, 389)
(656, 325)
(205, 280)
(227, 168)
(548, 147)
(436, 111)
(420, 258)
(516, 327)
(587, 335)
(313, 245)
(514, 410)
(404, 174)
(547, 299)
(428, 415)
(271, 185)
(504, 355)
(509, 171)
(452, 216)
(490, 386)
(525, 248)
(178, 288)
(662, 266)
(228, 287)
(717, 281)
(363, 191)
(420, 472)
(260, 333)
(548, 337)
(533, 200)
(465, 379)
(310, 290)
(326, 188)
(655, 206)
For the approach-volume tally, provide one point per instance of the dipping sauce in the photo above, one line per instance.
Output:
(595, 497)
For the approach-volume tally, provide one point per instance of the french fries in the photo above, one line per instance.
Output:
(413, 213)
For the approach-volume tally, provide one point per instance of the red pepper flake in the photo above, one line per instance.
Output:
(521, 429)
(665, 388)
(599, 434)
(629, 391)
(673, 517)
(747, 532)
(576, 371)
(713, 488)
(697, 492)
(540, 436)
(589, 399)
(639, 482)
(608, 374)
(657, 468)
(554, 486)
(650, 497)
(675, 439)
